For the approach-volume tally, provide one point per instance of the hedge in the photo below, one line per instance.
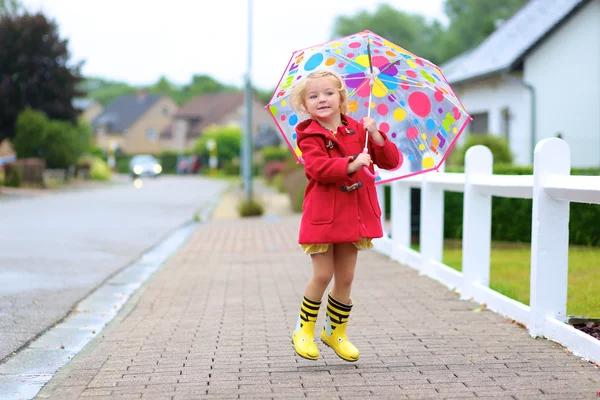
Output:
(511, 218)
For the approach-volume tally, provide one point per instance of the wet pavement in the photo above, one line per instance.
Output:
(55, 249)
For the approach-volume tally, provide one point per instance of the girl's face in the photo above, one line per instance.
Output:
(322, 99)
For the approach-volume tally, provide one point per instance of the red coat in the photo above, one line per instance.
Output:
(331, 215)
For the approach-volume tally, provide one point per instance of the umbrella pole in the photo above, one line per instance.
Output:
(371, 82)
(365, 150)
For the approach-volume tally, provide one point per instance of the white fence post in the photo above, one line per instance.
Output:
(477, 222)
(549, 237)
(431, 235)
(401, 219)
(381, 198)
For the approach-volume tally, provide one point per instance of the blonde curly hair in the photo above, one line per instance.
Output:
(298, 94)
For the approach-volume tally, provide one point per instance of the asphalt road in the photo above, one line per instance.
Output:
(55, 249)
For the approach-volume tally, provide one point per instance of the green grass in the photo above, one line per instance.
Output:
(509, 273)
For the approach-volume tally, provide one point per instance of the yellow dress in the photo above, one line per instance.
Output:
(362, 244)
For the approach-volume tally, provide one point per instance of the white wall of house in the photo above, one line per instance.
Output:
(565, 70)
(494, 96)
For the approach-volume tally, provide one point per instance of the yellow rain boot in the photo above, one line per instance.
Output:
(334, 332)
(304, 334)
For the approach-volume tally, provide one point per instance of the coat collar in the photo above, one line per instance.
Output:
(310, 127)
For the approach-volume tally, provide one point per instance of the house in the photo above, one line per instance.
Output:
(7, 153)
(537, 76)
(219, 109)
(133, 123)
(89, 109)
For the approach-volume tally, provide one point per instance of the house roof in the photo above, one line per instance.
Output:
(6, 149)
(124, 111)
(514, 39)
(83, 104)
(205, 110)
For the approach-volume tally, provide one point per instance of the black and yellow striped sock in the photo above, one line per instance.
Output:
(337, 312)
(309, 311)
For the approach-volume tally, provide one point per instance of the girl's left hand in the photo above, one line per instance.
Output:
(370, 126)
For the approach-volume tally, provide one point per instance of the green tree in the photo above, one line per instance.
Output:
(35, 71)
(30, 139)
(62, 144)
(10, 7)
(471, 21)
(228, 140)
(84, 136)
(202, 84)
(409, 31)
(164, 87)
(105, 91)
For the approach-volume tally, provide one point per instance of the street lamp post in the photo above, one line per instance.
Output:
(247, 153)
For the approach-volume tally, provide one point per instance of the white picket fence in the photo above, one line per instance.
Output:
(551, 187)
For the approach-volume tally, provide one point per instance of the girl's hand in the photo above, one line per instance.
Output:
(370, 125)
(362, 160)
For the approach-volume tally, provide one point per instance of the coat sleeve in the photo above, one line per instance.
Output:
(317, 163)
(387, 156)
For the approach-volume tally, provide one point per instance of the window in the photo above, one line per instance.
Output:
(479, 125)
(166, 112)
(151, 134)
(506, 123)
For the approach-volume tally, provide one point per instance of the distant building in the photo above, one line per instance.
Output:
(89, 108)
(7, 153)
(537, 76)
(133, 123)
(221, 109)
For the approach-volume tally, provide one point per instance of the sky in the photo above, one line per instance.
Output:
(138, 41)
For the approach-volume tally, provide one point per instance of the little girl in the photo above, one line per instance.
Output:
(341, 212)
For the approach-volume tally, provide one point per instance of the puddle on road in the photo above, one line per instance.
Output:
(24, 375)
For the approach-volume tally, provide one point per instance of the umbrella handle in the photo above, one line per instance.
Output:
(374, 176)
(367, 171)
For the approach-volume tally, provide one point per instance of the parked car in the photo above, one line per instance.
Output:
(144, 165)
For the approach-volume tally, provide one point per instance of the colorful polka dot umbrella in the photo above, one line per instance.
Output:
(407, 95)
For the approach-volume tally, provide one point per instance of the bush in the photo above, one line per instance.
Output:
(584, 221)
(99, 170)
(30, 137)
(273, 153)
(122, 163)
(13, 176)
(62, 144)
(497, 144)
(277, 182)
(250, 208)
(168, 161)
(295, 184)
(97, 151)
(228, 140)
(231, 168)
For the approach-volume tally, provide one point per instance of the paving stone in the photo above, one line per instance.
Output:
(215, 323)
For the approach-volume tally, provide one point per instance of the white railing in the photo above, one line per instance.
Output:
(551, 187)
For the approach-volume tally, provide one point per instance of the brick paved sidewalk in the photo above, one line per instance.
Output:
(215, 322)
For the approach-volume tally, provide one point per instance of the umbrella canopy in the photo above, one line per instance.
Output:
(408, 97)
